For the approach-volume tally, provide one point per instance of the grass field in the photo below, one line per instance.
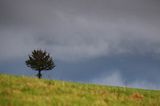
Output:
(26, 91)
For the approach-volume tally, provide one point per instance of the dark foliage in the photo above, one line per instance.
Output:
(40, 60)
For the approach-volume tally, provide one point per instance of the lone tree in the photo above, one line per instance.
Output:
(39, 61)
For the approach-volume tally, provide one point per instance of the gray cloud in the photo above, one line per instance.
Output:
(116, 79)
(73, 30)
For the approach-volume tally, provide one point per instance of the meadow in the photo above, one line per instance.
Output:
(28, 91)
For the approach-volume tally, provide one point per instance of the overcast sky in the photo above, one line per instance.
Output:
(111, 42)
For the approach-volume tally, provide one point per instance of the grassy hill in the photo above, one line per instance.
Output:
(26, 91)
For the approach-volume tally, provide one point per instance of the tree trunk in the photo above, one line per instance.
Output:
(39, 74)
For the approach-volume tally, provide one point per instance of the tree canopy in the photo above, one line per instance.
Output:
(39, 61)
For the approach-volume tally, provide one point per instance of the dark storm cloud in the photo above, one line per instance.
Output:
(80, 28)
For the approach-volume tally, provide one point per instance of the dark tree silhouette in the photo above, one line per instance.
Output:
(39, 61)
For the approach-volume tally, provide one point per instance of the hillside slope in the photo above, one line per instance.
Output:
(26, 91)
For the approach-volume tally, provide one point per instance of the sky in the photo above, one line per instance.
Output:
(109, 42)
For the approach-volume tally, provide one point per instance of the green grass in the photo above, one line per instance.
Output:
(26, 91)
